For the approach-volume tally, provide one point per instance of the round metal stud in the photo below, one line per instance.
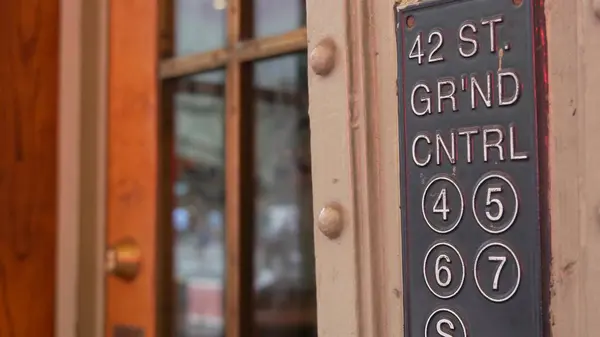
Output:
(322, 57)
(330, 221)
(596, 8)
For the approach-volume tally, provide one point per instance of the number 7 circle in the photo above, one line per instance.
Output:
(502, 261)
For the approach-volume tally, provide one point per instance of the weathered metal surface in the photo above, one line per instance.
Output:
(469, 169)
(128, 331)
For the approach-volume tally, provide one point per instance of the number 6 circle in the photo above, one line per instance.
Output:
(445, 269)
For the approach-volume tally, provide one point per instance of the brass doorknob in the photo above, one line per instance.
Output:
(123, 259)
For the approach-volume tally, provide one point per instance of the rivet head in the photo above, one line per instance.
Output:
(322, 57)
(330, 221)
(596, 8)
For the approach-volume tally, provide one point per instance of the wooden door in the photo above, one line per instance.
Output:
(29, 160)
(146, 156)
(132, 161)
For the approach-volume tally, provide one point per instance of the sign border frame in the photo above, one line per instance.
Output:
(541, 114)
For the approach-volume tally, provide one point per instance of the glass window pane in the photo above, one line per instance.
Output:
(284, 249)
(273, 17)
(199, 196)
(200, 25)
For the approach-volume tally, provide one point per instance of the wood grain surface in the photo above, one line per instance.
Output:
(28, 166)
(132, 159)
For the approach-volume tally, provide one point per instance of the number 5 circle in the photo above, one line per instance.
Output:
(443, 270)
(495, 203)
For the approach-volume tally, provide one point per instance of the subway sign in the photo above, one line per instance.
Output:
(472, 212)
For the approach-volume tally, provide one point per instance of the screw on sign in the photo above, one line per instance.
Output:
(469, 169)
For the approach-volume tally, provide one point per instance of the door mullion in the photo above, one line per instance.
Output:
(239, 177)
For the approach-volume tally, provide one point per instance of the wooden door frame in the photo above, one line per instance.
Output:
(358, 279)
(81, 192)
(380, 295)
(573, 49)
(133, 162)
(69, 169)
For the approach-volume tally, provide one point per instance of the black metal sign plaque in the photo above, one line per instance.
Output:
(471, 206)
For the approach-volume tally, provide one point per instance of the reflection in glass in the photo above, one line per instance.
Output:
(273, 17)
(284, 253)
(199, 25)
(199, 190)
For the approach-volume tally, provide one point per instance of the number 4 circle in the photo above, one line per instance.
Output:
(442, 204)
